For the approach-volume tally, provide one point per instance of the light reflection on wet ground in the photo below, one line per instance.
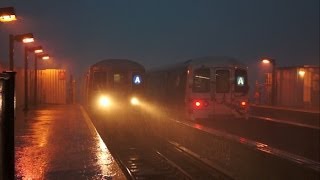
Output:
(56, 143)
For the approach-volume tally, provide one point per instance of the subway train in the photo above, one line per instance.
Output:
(114, 85)
(200, 88)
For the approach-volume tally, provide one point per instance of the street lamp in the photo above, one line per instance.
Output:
(25, 38)
(43, 57)
(7, 14)
(274, 80)
(301, 73)
(26, 50)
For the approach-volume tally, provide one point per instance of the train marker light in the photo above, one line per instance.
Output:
(134, 101)
(197, 103)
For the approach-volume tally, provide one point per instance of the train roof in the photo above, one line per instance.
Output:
(117, 64)
(219, 61)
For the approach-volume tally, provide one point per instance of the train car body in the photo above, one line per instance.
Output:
(113, 85)
(202, 88)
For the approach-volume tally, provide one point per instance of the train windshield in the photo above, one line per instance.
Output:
(99, 80)
(241, 81)
(201, 80)
(119, 81)
(222, 81)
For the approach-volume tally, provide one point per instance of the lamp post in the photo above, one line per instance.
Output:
(26, 50)
(25, 38)
(36, 56)
(7, 14)
(274, 79)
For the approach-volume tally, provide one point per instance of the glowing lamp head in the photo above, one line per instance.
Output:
(243, 103)
(37, 51)
(45, 58)
(266, 61)
(28, 40)
(301, 73)
(7, 14)
(104, 101)
(7, 18)
(134, 101)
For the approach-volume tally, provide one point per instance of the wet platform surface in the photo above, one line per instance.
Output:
(60, 142)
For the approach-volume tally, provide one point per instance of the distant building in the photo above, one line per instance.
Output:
(298, 86)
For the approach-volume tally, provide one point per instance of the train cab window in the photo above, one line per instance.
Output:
(241, 81)
(99, 80)
(119, 80)
(201, 80)
(222, 81)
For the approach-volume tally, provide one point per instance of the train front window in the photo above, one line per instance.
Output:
(241, 81)
(119, 80)
(99, 80)
(201, 80)
(222, 81)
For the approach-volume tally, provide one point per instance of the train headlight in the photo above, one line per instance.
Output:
(104, 101)
(134, 101)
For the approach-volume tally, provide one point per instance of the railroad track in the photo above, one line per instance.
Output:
(146, 157)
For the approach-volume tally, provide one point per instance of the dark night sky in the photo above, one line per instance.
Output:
(79, 33)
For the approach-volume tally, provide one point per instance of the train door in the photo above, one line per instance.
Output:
(221, 88)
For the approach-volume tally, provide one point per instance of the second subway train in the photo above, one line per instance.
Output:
(201, 88)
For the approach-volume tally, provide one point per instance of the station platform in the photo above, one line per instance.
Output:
(60, 142)
(300, 117)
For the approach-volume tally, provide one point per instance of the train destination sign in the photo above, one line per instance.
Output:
(240, 81)
(137, 79)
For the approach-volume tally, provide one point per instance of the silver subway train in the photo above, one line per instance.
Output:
(201, 88)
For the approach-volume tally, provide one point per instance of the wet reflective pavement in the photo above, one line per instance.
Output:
(60, 142)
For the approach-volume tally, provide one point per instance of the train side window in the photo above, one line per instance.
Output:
(222, 81)
(99, 80)
(201, 80)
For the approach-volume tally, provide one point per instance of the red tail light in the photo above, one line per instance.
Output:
(198, 104)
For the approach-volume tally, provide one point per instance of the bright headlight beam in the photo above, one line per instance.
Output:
(104, 101)
(134, 101)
